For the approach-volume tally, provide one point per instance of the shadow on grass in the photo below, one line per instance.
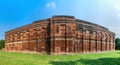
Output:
(118, 52)
(100, 61)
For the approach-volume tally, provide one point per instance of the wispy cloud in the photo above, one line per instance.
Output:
(51, 5)
(116, 5)
(115, 27)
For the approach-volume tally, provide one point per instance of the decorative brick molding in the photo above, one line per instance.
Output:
(60, 35)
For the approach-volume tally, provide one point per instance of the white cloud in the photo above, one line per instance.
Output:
(118, 15)
(116, 6)
(51, 5)
(47, 5)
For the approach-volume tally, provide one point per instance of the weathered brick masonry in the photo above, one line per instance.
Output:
(60, 35)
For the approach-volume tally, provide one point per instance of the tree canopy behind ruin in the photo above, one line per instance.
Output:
(2, 44)
(117, 43)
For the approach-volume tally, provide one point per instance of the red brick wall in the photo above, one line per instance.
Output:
(60, 35)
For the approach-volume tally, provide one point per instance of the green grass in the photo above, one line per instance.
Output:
(14, 58)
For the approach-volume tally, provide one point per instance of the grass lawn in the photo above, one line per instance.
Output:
(14, 58)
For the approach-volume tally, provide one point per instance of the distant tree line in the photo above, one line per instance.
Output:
(117, 43)
(2, 44)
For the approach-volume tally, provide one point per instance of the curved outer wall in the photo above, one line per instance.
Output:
(60, 35)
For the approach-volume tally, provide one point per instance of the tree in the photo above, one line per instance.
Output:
(2, 44)
(117, 43)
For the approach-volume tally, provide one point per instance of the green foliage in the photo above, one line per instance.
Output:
(117, 43)
(104, 58)
(2, 44)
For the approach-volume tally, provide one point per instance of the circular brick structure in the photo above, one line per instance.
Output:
(60, 35)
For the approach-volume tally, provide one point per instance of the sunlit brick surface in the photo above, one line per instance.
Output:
(60, 35)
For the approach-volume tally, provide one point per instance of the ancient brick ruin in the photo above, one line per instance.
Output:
(60, 35)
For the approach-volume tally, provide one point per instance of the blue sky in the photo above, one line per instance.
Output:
(16, 13)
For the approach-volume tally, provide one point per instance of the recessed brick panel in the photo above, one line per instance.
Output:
(60, 35)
